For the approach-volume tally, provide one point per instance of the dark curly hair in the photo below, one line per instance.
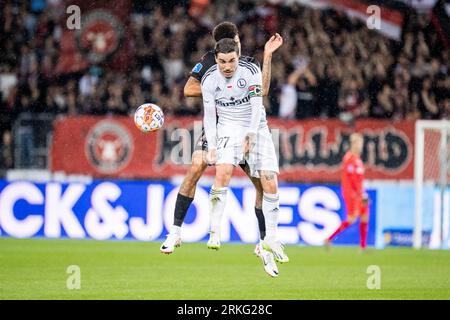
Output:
(225, 30)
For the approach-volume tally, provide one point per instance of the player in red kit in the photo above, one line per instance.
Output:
(356, 200)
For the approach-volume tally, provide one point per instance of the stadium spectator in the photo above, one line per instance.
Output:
(88, 82)
(6, 151)
(427, 101)
(444, 105)
(384, 105)
(352, 71)
(353, 101)
(305, 83)
(328, 93)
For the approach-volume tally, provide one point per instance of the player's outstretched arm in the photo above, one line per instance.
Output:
(270, 47)
(192, 88)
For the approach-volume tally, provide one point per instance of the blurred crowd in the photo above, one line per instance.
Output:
(330, 66)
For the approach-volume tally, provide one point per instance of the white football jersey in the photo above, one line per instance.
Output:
(232, 95)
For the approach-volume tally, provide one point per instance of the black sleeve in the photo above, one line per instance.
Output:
(250, 59)
(201, 67)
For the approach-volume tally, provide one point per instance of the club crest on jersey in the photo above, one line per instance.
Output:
(255, 91)
(241, 83)
(197, 68)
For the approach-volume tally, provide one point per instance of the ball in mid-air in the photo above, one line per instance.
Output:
(148, 117)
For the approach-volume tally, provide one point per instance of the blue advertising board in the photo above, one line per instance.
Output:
(143, 210)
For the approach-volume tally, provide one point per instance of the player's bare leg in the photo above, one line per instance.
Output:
(351, 219)
(184, 199)
(270, 208)
(194, 174)
(217, 200)
(258, 208)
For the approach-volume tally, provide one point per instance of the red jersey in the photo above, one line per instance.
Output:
(352, 176)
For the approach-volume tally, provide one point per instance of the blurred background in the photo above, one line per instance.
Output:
(67, 96)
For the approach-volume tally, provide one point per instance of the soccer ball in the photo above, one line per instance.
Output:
(148, 117)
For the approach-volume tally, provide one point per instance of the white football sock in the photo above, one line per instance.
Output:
(175, 230)
(217, 199)
(270, 207)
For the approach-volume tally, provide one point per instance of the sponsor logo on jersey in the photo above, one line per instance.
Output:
(109, 146)
(233, 102)
(197, 68)
(218, 89)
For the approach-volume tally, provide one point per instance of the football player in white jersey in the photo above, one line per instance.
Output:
(236, 130)
(198, 166)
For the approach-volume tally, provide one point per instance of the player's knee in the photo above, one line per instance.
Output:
(222, 179)
(197, 170)
(223, 176)
(190, 180)
(269, 183)
(271, 188)
(198, 160)
(198, 166)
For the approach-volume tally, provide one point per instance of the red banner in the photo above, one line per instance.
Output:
(313, 150)
(308, 150)
(101, 39)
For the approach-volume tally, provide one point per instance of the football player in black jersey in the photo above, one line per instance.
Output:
(199, 165)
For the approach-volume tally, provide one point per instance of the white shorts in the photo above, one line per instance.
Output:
(230, 149)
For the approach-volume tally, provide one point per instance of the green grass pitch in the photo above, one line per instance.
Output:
(37, 269)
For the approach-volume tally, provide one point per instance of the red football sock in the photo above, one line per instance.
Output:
(363, 226)
(363, 234)
(341, 228)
